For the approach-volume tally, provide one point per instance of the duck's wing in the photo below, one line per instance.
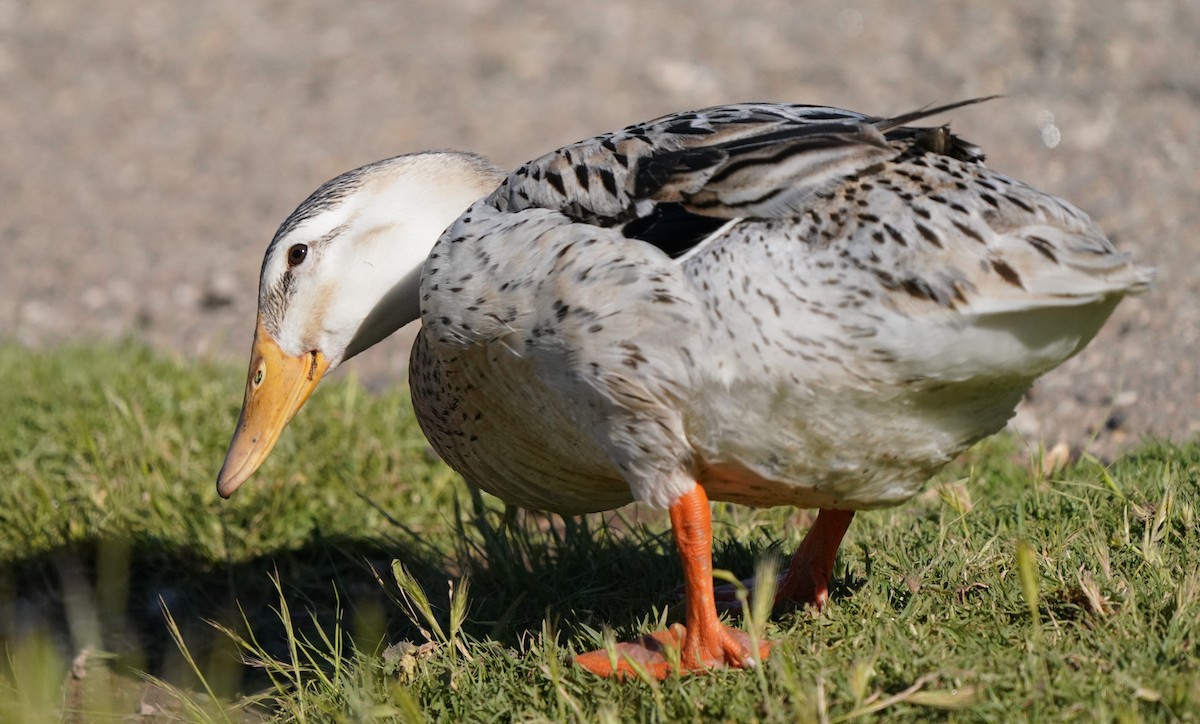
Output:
(953, 232)
(674, 180)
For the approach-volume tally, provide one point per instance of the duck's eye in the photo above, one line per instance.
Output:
(297, 254)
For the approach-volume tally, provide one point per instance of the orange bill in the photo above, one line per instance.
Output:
(277, 386)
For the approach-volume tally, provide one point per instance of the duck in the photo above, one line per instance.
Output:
(761, 303)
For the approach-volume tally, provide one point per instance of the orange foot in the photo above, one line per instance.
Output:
(651, 654)
(705, 643)
(806, 582)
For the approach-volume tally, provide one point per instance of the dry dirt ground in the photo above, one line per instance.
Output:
(150, 148)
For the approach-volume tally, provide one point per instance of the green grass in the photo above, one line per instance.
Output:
(356, 578)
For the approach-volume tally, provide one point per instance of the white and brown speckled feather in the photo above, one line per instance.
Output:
(790, 304)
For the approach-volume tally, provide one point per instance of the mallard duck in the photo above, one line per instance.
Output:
(762, 303)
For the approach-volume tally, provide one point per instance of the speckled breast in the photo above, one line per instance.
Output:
(492, 421)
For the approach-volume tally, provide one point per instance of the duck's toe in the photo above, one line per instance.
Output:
(662, 653)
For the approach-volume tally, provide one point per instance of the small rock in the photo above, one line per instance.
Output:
(1056, 458)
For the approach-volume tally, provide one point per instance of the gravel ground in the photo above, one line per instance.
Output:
(151, 148)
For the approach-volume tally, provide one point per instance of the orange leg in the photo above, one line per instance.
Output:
(705, 643)
(807, 579)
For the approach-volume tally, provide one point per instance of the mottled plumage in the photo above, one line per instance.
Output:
(851, 303)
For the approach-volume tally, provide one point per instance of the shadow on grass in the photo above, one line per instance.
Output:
(106, 596)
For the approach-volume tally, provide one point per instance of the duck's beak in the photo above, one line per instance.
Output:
(277, 386)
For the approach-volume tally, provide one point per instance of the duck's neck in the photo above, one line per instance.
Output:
(383, 286)
(398, 306)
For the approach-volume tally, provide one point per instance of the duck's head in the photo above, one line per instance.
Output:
(342, 273)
